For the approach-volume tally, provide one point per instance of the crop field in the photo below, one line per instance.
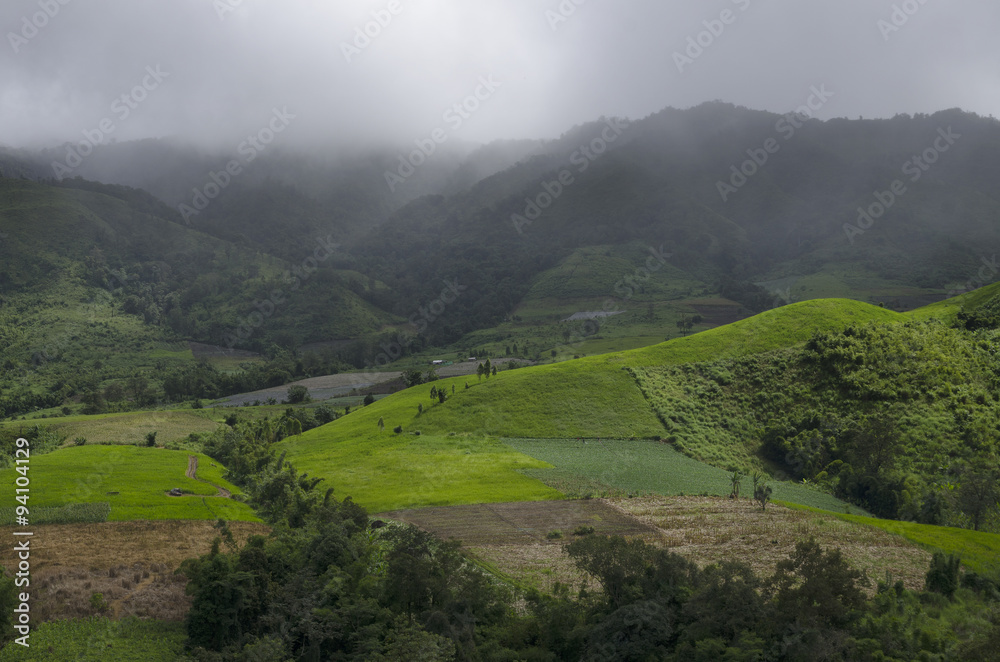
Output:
(131, 564)
(979, 551)
(391, 471)
(93, 639)
(524, 541)
(516, 540)
(709, 530)
(133, 481)
(639, 467)
(170, 426)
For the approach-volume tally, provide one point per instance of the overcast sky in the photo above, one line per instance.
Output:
(224, 69)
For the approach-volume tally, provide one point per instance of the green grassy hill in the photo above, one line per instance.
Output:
(608, 396)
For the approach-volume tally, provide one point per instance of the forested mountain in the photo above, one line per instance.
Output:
(748, 207)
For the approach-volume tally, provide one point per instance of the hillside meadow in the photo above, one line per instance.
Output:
(133, 481)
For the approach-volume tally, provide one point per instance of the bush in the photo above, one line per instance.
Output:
(369, 399)
(583, 530)
(942, 576)
(151, 439)
(80, 441)
(98, 603)
(298, 395)
(325, 414)
(398, 429)
(554, 535)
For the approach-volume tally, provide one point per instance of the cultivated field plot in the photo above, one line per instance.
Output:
(519, 523)
(130, 563)
(133, 481)
(512, 538)
(320, 388)
(708, 530)
(638, 467)
(170, 426)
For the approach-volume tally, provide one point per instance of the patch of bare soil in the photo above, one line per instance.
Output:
(131, 564)
(513, 537)
(712, 529)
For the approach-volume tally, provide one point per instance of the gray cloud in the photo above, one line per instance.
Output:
(606, 58)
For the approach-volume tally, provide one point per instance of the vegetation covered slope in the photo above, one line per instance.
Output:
(902, 418)
(98, 282)
(132, 481)
(808, 391)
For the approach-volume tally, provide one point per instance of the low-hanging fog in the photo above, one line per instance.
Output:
(212, 71)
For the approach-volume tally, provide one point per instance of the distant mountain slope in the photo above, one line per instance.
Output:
(505, 222)
(98, 281)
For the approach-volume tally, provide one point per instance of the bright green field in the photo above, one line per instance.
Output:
(648, 466)
(100, 639)
(979, 551)
(388, 471)
(141, 476)
(590, 397)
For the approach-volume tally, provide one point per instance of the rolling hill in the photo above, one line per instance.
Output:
(730, 397)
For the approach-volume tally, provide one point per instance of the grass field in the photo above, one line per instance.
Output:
(649, 467)
(388, 471)
(590, 397)
(133, 480)
(101, 639)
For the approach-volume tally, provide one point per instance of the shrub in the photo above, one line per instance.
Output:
(98, 603)
(554, 535)
(398, 429)
(298, 395)
(942, 576)
(325, 414)
(369, 399)
(80, 441)
(583, 530)
(151, 439)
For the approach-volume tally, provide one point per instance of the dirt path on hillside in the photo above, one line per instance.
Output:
(192, 472)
